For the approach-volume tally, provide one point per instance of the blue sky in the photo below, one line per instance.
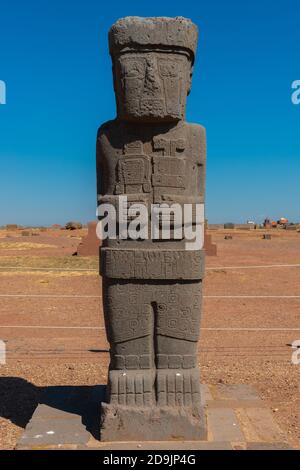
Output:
(55, 63)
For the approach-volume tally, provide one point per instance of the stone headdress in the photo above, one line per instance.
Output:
(162, 33)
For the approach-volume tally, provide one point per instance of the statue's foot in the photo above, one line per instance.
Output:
(132, 387)
(178, 387)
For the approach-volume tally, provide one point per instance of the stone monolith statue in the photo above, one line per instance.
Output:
(152, 289)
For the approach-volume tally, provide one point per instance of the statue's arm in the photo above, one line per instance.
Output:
(198, 139)
(101, 164)
(106, 161)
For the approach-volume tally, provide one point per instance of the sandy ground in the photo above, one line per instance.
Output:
(52, 324)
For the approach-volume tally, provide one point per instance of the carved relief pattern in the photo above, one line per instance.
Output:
(152, 290)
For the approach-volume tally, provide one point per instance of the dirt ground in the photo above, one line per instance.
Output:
(52, 324)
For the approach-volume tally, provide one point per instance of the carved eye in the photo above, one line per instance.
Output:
(162, 307)
(132, 68)
(168, 68)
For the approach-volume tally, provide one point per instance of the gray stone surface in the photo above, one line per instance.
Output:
(224, 425)
(152, 423)
(66, 416)
(133, 31)
(41, 433)
(161, 445)
(236, 392)
(45, 412)
(268, 446)
(260, 426)
(206, 396)
(72, 413)
(234, 404)
(152, 289)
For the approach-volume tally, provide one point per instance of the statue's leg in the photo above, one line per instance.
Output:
(130, 325)
(153, 384)
(177, 334)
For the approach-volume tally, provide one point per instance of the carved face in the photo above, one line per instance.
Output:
(152, 86)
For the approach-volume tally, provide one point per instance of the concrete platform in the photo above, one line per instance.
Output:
(68, 418)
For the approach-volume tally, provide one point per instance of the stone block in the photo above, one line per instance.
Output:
(123, 423)
(90, 245)
(223, 425)
(259, 425)
(235, 392)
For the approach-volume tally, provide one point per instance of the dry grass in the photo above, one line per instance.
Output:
(23, 379)
(23, 246)
(50, 274)
(59, 262)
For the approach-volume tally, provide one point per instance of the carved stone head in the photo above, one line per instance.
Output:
(152, 67)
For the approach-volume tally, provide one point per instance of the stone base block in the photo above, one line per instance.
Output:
(237, 419)
(124, 423)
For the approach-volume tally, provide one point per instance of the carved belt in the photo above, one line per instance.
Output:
(152, 264)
